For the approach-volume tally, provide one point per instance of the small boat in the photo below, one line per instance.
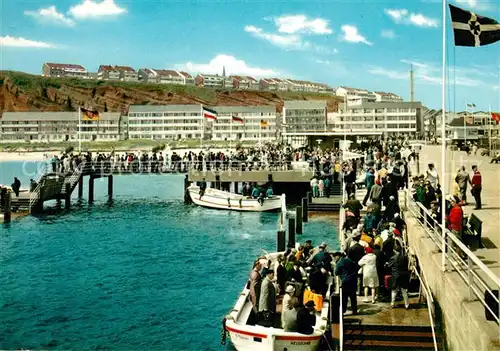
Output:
(247, 337)
(224, 200)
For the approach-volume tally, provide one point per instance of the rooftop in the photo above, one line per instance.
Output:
(53, 116)
(64, 65)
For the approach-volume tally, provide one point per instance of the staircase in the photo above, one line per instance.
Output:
(328, 204)
(388, 337)
(35, 193)
(72, 180)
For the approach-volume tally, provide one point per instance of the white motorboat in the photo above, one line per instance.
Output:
(247, 337)
(224, 200)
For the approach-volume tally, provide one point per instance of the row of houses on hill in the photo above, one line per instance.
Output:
(167, 76)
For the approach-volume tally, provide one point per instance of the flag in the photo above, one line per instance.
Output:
(495, 116)
(89, 115)
(471, 105)
(471, 29)
(263, 123)
(209, 114)
(237, 119)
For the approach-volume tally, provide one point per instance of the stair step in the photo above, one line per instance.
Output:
(352, 325)
(387, 345)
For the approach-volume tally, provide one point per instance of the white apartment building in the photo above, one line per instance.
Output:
(167, 122)
(301, 119)
(64, 70)
(305, 86)
(214, 81)
(355, 97)
(57, 127)
(250, 130)
(387, 97)
(389, 118)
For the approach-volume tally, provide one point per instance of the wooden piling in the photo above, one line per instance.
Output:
(305, 209)
(309, 196)
(80, 188)
(110, 185)
(7, 207)
(280, 240)
(91, 189)
(217, 182)
(67, 198)
(291, 232)
(187, 198)
(298, 220)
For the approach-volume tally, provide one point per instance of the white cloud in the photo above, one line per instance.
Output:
(403, 16)
(421, 21)
(232, 65)
(351, 34)
(301, 24)
(19, 42)
(287, 41)
(50, 15)
(387, 33)
(396, 15)
(96, 9)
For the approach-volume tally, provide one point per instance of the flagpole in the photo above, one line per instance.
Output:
(79, 130)
(444, 190)
(490, 123)
(465, 117)
(202, 127)
(230, 131)
(345, 126)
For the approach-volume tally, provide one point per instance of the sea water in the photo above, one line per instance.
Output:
(140, 271)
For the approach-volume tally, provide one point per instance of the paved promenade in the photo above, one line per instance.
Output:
(490, 212)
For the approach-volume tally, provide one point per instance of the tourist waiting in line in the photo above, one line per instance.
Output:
(368, 264)
(347, 270)
(315, 187)
(400, 276)
(287, 306)
(289, 317)
(16, 186)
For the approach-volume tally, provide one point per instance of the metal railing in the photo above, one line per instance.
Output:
(430, 302)
(35, 193)
(478, 278)
(73, 178)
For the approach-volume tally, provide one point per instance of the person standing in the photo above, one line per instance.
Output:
(432, 175)
(476, 184)
(463, 180)
(347, 270)
(370, 276)
(267, 299)
(369, 182)
(255, 283)
(400, 275)
(16, 186)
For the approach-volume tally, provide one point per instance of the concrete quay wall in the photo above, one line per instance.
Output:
(464, 321)
(292, 176)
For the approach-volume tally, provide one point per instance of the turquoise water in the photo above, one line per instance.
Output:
(142, 271)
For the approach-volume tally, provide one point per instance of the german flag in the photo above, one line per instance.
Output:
(237, 119)
(263, 123)
(89, 115)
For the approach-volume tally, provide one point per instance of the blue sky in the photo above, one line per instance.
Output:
(364, 44)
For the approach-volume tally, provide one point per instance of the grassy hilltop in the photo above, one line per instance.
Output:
(25, 92)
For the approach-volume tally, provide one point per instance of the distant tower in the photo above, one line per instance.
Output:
(223, 71)
(412, 91)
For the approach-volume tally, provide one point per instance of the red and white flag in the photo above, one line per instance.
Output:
(209, 114)
(495, 116)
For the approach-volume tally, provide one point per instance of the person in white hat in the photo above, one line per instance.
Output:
(287, 305)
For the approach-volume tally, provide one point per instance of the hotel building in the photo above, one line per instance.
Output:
(225, 129)
(57, 127)
(64, 70)
(167, 122)
(378, 118)
(301, 119)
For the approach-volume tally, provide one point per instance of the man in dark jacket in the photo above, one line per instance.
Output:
(389, 190)
(306, 320)
(317, 281)
(347, 270)
(400, 275)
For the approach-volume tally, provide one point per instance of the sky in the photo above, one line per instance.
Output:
(364, 44)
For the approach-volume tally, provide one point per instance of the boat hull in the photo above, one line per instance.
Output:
(222, 200)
